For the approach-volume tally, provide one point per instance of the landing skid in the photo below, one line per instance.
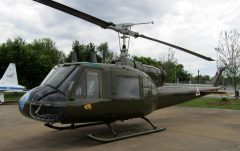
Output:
(108, 140)
(72, 126)
(116, 137)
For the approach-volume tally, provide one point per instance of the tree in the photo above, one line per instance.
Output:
(181, 74)
(33, 60)
(175, 72)
(84, 51)
(170, 57)
(81, 51)
(148, 61)
(228, 50)
(12, 51)
(173, 69)
(44, 55)
(104, 52)
(203, 79)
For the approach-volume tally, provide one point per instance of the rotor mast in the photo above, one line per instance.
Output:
(124, 31)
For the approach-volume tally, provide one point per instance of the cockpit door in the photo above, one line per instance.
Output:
(93, 84)
(89, 86)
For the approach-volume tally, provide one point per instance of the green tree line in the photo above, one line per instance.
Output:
(175, 72)
(35, 59)
(83, 52)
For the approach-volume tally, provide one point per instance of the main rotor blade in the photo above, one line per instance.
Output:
(177, 47)
(76, 13)
(110, 25)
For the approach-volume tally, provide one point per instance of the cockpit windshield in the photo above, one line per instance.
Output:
(62, 77)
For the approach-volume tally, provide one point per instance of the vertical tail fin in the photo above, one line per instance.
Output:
(218, 74)
(10, 75)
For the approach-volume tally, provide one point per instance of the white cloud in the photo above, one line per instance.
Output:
(194, 25)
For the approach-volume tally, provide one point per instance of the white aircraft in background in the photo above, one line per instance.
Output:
(9, 82)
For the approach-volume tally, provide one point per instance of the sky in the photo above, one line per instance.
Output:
(192, 24)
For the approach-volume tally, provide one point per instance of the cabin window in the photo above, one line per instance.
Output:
(93, 85)
(81, 88)
(89, 85)
(127, 87)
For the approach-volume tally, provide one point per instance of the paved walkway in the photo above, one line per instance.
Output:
(188, 129)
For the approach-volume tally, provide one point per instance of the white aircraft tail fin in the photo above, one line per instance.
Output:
(10, 75)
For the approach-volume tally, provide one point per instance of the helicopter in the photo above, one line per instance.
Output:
(83, 94)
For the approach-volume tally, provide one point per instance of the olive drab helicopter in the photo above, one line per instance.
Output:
(84, 94)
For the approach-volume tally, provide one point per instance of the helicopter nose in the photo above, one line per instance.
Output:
(41, 100)
(23, 101)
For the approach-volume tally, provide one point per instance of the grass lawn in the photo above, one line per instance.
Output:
(12, 96)
(213, 103)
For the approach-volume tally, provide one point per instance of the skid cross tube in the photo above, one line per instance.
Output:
(112, 130)
(146, 119)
